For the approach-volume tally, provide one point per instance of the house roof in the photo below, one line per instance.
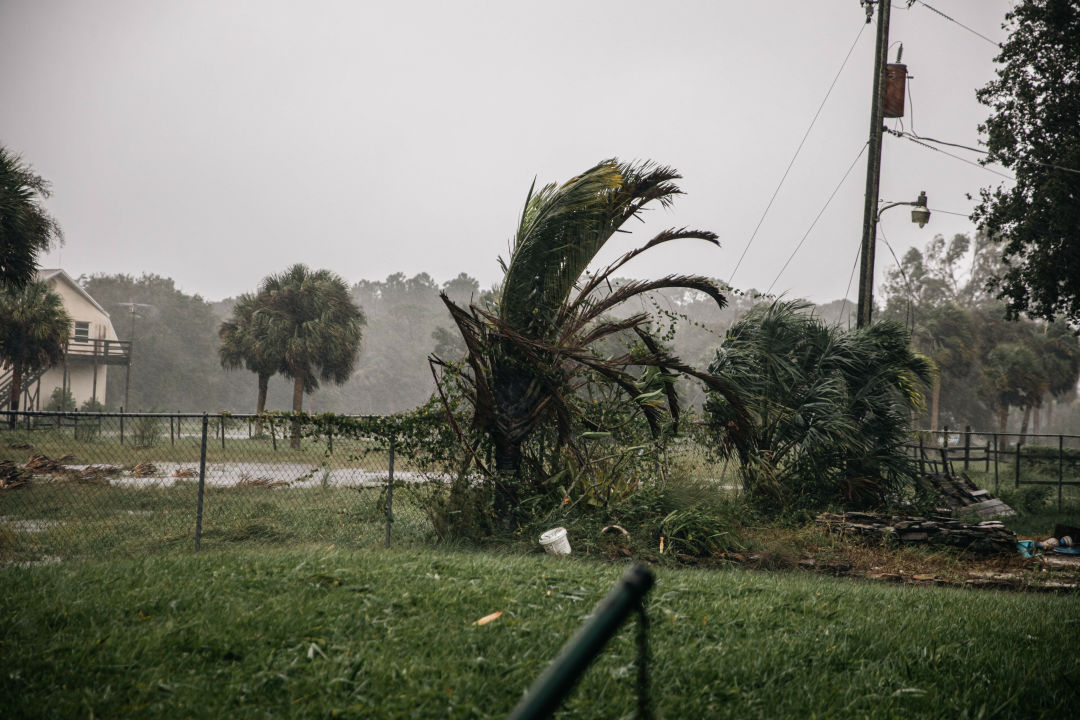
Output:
(46, 274)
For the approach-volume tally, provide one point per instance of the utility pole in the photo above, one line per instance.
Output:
(873, 169)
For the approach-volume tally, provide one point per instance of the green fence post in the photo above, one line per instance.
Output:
(1061, 466)
(922, 457)
(967, 446)
(202, 484)
(1019, 444)
(390, 493)
(559, 678)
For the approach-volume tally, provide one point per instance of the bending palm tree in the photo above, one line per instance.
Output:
(240, 349)
(312, 325)
(34, 329)
(530, 355)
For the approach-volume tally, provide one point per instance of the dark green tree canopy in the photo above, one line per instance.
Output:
(26, 229)
(1034, 130)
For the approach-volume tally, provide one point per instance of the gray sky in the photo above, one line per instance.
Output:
(215, 141)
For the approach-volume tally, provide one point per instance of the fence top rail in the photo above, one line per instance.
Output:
(185, 415)
(988, 433)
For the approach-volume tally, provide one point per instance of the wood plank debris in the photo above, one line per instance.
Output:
(961, 495)
(989, 537)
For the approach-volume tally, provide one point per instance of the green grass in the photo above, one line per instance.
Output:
(311, 632)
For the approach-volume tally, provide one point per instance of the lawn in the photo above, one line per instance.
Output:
(323, 632)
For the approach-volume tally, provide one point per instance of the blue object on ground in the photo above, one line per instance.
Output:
(1026, 547)
(1061, 550)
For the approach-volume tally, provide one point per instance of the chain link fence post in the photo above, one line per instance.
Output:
(390, 493)
(202, 483)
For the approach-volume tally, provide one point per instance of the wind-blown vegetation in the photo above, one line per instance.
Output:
(831, 408)
(531, 358)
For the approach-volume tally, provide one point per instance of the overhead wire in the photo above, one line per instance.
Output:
(851, 278)
(954, 20)
(922, 140)
(818, 217)
(910, 311)
(943, 152)
(746, 248)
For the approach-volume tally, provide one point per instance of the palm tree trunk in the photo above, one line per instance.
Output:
(1024, 423)
(260, 404)
(1003, 418)
(507, 464)
(935, 402)
(1035, 418)
(297, 408)
(16, 386)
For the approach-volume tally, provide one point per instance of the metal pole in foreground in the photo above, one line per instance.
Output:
(202, 483)
(559, 678)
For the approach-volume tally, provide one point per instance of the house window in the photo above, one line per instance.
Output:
(82, 332)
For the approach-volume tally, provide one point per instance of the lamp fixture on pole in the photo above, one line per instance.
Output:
(920, 215)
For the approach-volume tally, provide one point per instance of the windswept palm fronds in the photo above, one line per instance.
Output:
(528, 356)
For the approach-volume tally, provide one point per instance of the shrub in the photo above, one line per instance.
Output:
(831, 407)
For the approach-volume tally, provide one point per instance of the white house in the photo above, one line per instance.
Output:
(92, 346)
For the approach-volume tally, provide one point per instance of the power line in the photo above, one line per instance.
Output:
(916, 138)
(987, 152)
(953, 20)
(955, 157)
(950, 212)
(851, 277)
(862, 26)
(820, 213)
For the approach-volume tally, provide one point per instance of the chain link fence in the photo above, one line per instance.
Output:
(96, 484)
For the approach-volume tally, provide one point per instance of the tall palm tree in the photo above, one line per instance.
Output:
(530, 353)
(26, 229)
(311, 324)
(34, 329)
(240, 349)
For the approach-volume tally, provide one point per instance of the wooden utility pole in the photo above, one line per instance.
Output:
(873, 169)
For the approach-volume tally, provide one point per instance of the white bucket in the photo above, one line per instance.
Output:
(554, 541)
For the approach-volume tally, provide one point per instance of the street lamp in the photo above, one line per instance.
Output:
(920, 215)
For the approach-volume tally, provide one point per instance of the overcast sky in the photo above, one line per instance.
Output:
(217, 141)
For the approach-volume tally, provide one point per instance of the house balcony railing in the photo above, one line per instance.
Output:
(106, 352)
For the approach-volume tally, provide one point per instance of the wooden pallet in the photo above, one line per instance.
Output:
(961, 495)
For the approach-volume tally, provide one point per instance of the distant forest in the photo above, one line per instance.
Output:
(176, 364)
(175, 360)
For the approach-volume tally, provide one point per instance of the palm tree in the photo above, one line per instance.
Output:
(26, 229)
(239, 348)
(532, 351)
(34, 329)
(831, 407)
(311, 324)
